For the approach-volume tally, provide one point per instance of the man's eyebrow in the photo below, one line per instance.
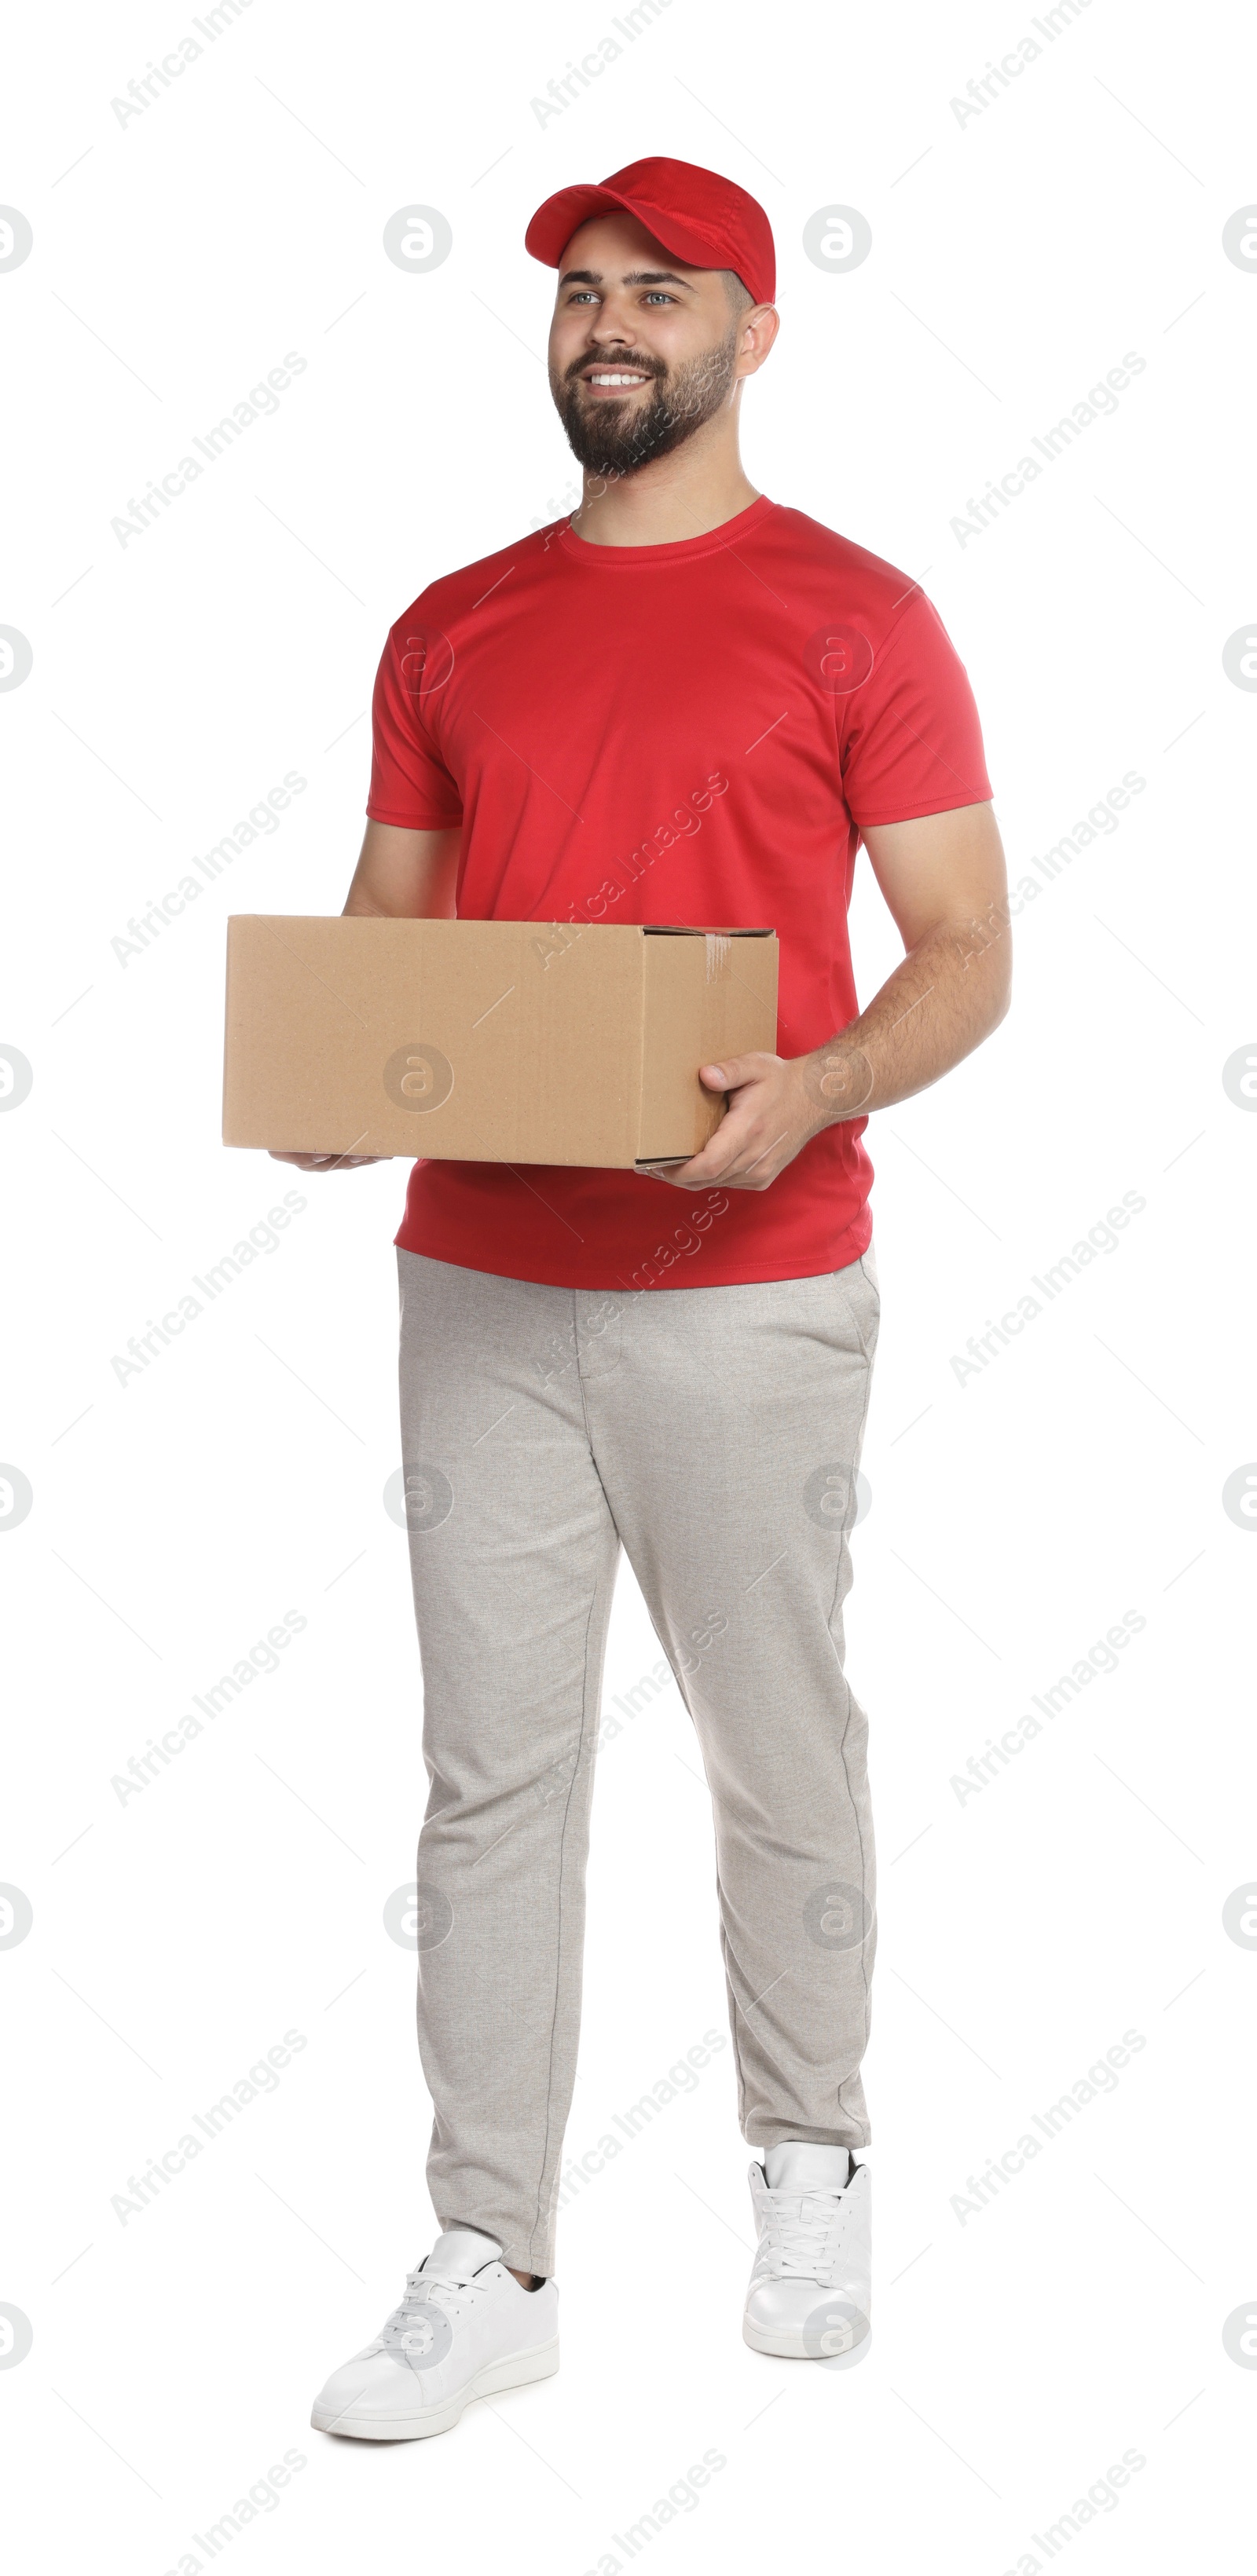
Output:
(635, 277)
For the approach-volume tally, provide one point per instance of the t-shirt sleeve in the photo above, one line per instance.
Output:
(410, 784)
(910, 742)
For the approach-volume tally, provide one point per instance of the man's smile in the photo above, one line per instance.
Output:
(613, 380)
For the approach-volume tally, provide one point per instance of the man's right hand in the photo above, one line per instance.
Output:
(327, 1162)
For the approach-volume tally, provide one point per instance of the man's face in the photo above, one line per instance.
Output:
(643, 350)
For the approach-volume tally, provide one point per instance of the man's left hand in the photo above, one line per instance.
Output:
(776, 1104)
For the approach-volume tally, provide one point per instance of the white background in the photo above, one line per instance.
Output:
(1015, 1516)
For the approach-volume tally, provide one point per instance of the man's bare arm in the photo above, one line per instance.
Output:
(405, 876)
(944, 882)
(400, 876)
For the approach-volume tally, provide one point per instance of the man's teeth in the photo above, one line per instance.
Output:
(615, 380)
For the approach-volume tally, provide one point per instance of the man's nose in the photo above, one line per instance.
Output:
(609, 326)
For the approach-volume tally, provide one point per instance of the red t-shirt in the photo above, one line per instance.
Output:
(726, 713)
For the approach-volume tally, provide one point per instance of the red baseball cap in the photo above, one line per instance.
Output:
(705, 220)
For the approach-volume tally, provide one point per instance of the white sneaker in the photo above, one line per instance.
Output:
(465, 2329)
(810, 2294)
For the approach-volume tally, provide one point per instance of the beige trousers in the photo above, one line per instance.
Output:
(715, 1434)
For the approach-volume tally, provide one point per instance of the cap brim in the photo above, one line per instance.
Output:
(555, 222)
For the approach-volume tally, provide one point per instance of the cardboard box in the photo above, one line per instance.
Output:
(489, 1041)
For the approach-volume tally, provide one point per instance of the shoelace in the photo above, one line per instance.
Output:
(445, 2290)
(800, 2246)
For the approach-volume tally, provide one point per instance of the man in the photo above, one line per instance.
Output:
(684, 704)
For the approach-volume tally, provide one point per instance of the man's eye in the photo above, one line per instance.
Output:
(582, 295)
(656, 295)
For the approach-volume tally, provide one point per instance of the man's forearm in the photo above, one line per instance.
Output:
(944, 997)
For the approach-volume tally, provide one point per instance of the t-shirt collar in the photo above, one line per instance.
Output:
(685, 550)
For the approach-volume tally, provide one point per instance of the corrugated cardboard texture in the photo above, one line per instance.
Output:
(487, 1041)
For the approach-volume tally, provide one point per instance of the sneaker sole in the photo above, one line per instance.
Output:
(516, 2371)
(786, 2346)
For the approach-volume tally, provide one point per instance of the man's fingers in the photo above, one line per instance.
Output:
(732, 1152)
(700, 1174)
(324, 1162)
(732, 1070)
(683, 1176)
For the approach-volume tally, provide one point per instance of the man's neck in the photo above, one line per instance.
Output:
(697, 488)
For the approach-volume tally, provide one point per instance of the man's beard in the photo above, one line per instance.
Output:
(614, 439)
